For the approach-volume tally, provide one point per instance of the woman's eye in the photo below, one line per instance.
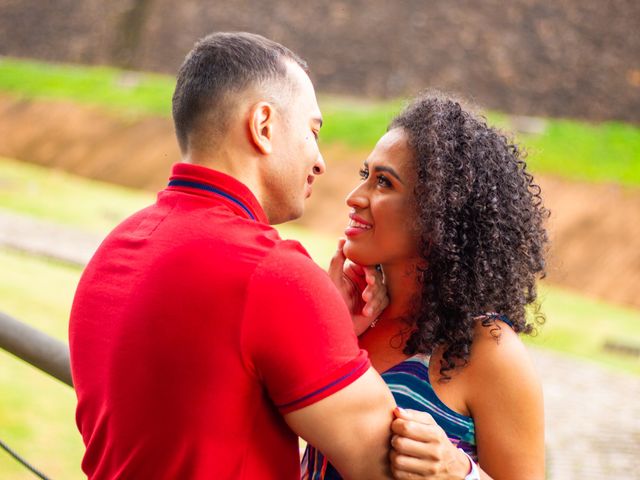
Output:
(364, 173)
(383, 181)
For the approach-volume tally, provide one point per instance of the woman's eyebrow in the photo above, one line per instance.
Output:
(391, 171)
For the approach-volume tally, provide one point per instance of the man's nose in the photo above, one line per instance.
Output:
(319, 167)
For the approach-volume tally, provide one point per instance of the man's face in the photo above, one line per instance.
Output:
(296, 158)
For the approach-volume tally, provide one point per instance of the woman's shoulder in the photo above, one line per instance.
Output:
(504, 397)
(498, 356)
(494, 335)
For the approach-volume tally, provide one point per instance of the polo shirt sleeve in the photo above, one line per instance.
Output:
(297, 333)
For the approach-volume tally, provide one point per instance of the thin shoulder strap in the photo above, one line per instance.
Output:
(497, 316)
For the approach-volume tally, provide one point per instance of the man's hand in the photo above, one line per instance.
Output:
(361, 287)
(422, 450)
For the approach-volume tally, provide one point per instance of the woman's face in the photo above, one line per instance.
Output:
(381, 230)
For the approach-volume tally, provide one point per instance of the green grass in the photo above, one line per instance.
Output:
(54, 195)
(36, 411)
(580, 326)
(605, 152)
(356, 123)
(118, 90)
(57, 196)
(609, 152)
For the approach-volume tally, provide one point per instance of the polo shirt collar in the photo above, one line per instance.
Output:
(205, 181)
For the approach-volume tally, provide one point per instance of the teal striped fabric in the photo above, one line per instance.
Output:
(410, 385)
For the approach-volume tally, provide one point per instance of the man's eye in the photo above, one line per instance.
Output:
(364, 173)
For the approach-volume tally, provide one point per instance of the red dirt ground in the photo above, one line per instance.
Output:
(595, 228)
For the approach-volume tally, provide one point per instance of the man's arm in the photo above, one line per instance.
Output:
(299, 341)
(351, 427)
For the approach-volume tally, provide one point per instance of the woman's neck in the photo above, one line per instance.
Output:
(401, 280)
(386, 341)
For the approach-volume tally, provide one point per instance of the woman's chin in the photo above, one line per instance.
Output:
(358, 255)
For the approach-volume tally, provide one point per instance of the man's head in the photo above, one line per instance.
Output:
(248, 103)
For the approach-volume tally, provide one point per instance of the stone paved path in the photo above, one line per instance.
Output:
(47, 239)
(592, 414)
(592, 418)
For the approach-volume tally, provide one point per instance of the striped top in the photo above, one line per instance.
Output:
(410, 385)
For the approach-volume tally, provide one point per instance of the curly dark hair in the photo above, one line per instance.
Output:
(480, 220)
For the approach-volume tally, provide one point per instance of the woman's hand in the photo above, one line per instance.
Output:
(421, 449)
(361, 287)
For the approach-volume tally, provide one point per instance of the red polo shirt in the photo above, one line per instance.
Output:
(193, 329)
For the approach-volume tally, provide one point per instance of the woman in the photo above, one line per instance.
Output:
(448, 210)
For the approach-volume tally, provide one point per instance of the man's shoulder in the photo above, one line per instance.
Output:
(287, 259)
(289, 250)
(287, 272)
(261, 244)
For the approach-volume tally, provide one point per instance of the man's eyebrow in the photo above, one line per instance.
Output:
(391, 171)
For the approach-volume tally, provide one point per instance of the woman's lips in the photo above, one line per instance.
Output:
(357, 226)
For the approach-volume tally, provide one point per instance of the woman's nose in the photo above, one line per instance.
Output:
(358, 197)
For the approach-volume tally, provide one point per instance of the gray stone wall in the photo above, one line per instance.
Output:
(564, 58)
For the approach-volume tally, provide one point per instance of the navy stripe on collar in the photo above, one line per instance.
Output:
(209, 188)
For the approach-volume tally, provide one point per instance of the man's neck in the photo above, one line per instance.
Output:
(233, 165)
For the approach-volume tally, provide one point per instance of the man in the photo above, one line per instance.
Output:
(202, 343)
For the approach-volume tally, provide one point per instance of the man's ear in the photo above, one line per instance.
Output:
(261, 118)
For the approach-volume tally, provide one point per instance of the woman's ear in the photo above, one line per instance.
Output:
(261, 117)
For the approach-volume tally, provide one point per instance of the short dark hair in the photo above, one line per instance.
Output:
(220, 64)
(481, 222)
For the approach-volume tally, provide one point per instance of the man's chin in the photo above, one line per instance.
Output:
(289, 216)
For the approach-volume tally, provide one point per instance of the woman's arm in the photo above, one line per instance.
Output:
(505, 401)
(504, 397)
